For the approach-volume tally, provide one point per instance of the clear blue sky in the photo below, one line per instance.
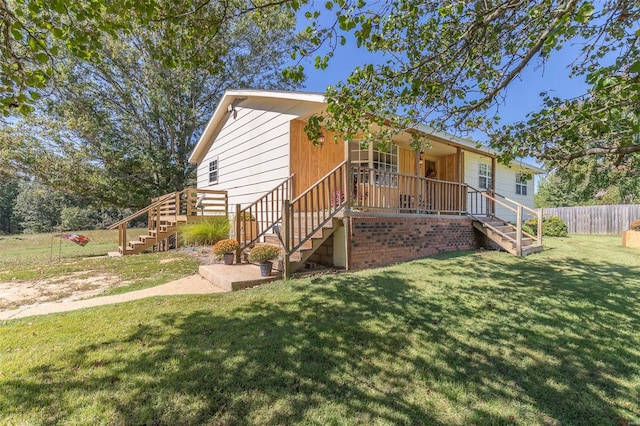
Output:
(522, 95)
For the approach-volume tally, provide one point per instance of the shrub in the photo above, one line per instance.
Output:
(551, 227)
(263, 253)
(635, 225)
(225, 246)
(205, 232)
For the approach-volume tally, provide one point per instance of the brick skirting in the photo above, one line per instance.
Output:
(380, 241)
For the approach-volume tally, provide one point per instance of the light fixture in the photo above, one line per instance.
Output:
(320, 139)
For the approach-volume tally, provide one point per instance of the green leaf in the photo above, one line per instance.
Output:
(585, 13)
(42, 57)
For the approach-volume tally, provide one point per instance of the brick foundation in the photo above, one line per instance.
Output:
(380, 241)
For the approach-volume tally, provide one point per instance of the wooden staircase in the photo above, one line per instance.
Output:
(165, 214)
(511, 238)
(505, 235)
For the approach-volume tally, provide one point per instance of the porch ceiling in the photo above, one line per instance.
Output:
(437, 149)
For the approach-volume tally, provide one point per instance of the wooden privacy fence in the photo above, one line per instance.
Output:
(608, 219)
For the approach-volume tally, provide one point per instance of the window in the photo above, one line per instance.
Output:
(521, 184)
(484, 176)
(213, 170)
(378, 156)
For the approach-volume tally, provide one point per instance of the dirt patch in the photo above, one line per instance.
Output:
(203, 254)
(81, 285)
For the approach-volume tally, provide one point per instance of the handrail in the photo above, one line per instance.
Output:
(312, 209)
(264, 213)
(518, 210)
(486, 195)
(318, 182)
(375, 189)
(155, 204)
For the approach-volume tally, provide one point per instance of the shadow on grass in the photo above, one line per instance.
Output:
(527, 343)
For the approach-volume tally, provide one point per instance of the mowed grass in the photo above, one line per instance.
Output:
(469, 338)
(46, 257)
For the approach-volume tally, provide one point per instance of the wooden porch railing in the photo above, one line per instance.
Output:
(307, 213)
(482, 203)
(189, 204)
(389, 191)
(258, 218)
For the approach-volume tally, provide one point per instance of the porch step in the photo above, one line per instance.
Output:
(505, 235)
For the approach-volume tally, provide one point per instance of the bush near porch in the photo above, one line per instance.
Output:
(478, 337)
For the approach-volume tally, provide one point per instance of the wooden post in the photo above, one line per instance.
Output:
(347, 241)
(539, 231)
(237, 232)
(493, 185)
(348, 181)
(286, 225)
(462, 193)
(519, 230)
(189, 203)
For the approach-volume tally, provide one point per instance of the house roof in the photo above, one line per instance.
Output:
(232, 97)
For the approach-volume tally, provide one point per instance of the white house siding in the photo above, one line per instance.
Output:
(252, 149)
(505, 184)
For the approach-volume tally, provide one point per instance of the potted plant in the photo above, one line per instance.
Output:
(631, 238)
(264, 254)
(225, 249)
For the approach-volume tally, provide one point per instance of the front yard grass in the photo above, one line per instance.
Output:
(37, 257)
(457, 339)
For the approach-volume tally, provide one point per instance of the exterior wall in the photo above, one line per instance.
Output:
(252, 147)
(505, 184)
(407, 161)
(380, 241)
(309, 163)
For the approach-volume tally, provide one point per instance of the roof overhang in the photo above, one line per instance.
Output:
(227, 104)
(232, 98)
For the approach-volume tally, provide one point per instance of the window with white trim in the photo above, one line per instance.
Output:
(378, 156)
(213, 170)
(484, 176)
(521, 184)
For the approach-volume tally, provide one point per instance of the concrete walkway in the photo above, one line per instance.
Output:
(194, 284)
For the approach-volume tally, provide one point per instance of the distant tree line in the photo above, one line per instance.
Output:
(32, 207)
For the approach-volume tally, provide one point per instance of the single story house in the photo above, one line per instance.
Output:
(350, 204)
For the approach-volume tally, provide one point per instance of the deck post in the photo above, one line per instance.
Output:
(286, 224)
(348, 178)
(539, 230)
(236, 221)
(189, 194)
(519, 230)
(493, 185)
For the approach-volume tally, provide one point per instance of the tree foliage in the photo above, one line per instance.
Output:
(449, 63)
(9, 190)
(34, 34)
(588, 183)
(120, 128)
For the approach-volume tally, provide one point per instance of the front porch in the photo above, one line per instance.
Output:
(359, 200)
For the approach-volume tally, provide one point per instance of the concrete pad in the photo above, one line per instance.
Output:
(236, 277)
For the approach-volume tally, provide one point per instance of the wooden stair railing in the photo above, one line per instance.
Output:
(306, 215)
(482, 203)
(164, 215)
(255, 220)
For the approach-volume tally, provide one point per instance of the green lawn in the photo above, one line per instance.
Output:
(467, 338)
(26, 258)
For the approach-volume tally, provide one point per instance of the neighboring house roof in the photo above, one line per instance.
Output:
(231, 97)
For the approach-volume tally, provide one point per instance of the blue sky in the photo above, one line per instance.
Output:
(522, 96)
